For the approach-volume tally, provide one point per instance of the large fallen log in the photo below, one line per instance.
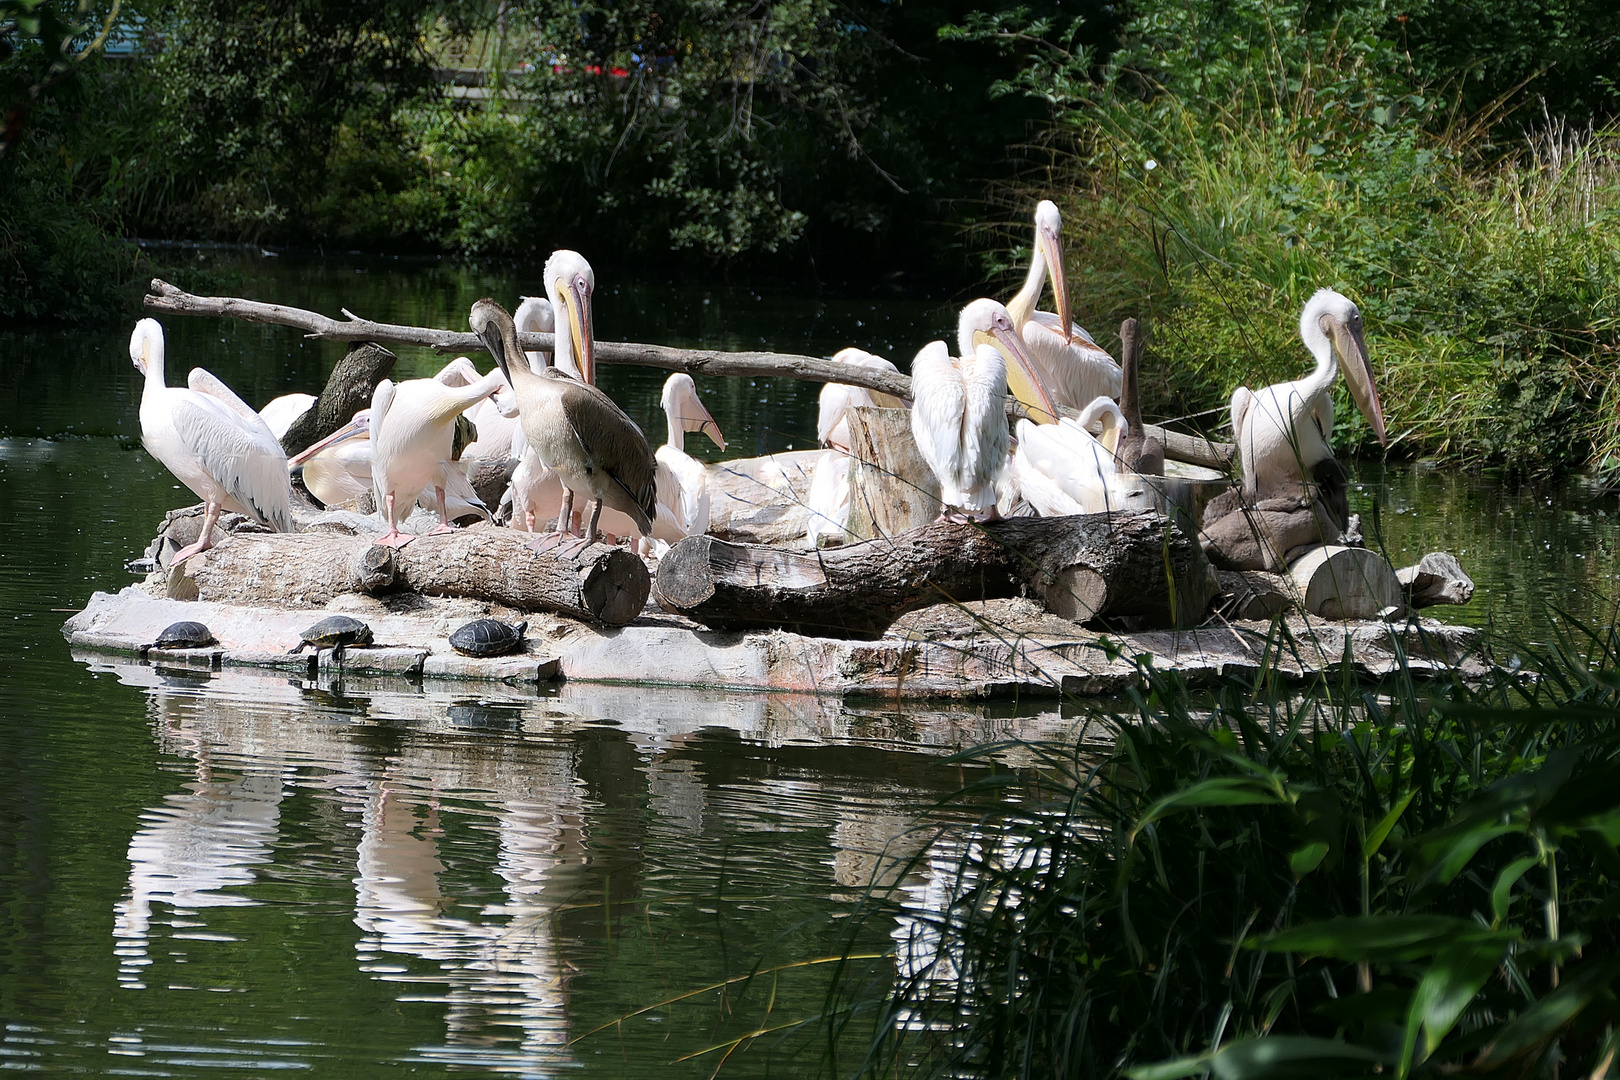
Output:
(172, 300)
(603, 584)
(1113, 566)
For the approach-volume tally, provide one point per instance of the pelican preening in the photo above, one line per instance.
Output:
(1284, 431)
(228, 461)
(959, 419)
(1073, 368)
(573, 427)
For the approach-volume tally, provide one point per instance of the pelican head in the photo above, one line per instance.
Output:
(686, 412)
(146, 343)
(1332, 321)
(1104, 419)
(1049, 242)
(570, 281)
(357, 428)
(494, 328)
(986, 322)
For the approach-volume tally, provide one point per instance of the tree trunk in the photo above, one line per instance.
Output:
(348, 390)
(602, 584)
(1080, 567)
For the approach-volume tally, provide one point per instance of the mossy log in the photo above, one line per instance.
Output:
(602, 584)
(1113, 566)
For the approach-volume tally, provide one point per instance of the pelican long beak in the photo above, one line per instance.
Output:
(354, 429)
(694, 417)
(1023, 381)
(1358, 375)
(491, 337)
(577, 301)
(1051, 246)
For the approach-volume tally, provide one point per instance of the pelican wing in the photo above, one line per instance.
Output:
(207, 383)
(1242, 399)
(1075, 372)
(243, 457)
(613, 442)
(282, 412)
(938, 404)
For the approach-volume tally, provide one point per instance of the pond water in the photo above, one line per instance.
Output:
(244, 872)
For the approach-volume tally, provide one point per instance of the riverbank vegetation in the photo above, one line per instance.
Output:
(1448, 164)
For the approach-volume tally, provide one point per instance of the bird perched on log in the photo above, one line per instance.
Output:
(1074, 368)
(212, 442)
(413, 428)
(1284, 431)
(959, 415)
(683, 482)
(574, 427)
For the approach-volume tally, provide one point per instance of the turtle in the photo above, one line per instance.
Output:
(488, 637)
(182, 635)
(334, 632)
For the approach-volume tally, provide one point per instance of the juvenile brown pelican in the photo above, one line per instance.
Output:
(1074, 369)
(1284, 431)
(573, 427)
(229, 461)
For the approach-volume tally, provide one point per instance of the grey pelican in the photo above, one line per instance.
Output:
(412, 434)
(1074, 369)
(832, 421)
(1284, 431)
(958, 411)
(573, 427)
(229, 461)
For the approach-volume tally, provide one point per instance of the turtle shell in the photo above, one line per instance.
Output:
(487, 637)
(183, 635)
(338, 630)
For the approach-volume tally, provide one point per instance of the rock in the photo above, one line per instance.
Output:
(1267, 535)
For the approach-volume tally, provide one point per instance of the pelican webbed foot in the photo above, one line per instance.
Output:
(394, 539)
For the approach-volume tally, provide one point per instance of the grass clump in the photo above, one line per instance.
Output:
(1253, 881)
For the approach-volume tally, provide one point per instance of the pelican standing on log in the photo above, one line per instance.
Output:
(413, 426)
(229, 461)
(1284, 432)
(573, 427)
(683, 482)
(959, 408)
(1074, 369)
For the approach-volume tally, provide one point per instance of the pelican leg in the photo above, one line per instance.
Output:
(554, 540)
(393, 537)
(993, 514)
(590, 530)
(205, 539)
(444, 525)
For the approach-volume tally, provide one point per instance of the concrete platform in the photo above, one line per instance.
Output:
(982, 650)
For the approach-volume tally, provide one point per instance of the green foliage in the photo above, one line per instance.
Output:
(1253, 881)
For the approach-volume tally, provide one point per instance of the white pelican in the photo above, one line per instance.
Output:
(1284, 432)
(337, 471)
(229, 462)
(958, 412)
(1063, 469)
(1074, 369)
(573, 427)
(828, 499)
(683, 482)
(832, 421)
(413, 430)
(282, 412)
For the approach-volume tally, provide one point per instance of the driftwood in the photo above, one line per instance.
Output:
(604, 584)
(171, 300)
(1079, 567)
(347, 391)
(1438, 578)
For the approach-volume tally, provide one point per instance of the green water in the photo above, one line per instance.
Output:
(240, 873)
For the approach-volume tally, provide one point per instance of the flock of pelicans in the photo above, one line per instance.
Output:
(570, 441)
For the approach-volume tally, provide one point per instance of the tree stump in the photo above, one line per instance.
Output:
(602, 584)
(1337, 582)
(891, 488)
(348, 390)
(1133, 566)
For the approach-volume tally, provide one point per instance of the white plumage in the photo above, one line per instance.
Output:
(832, 421)
(282, 412)
(958, 417)
(1062, 469)
(228, 460)
(683, 482)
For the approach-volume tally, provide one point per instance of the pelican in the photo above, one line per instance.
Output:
(1073, 368)
(958, 412)
(1284, 431)
(1063, 469)
(413, 431)
(228, 461)
(283, 412)
(832, 422)
(683, 483)
(573, 427)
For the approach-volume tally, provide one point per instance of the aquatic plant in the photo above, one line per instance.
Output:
(1254, 880)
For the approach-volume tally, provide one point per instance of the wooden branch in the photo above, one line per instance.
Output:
(166, 298)
(602, 584)
(1080, 567)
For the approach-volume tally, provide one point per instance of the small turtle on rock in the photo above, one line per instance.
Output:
(182, 635)
(488, 637)
(334, 632)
